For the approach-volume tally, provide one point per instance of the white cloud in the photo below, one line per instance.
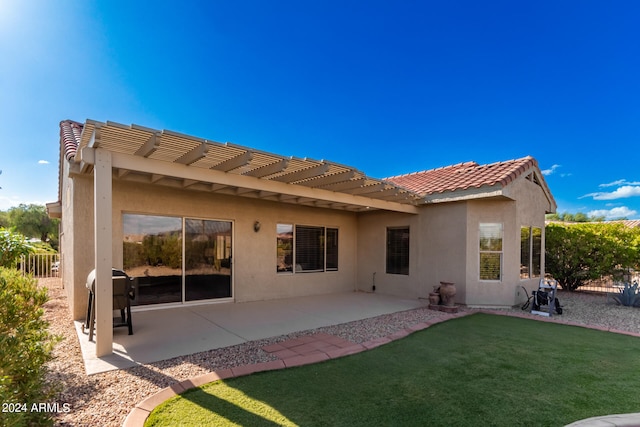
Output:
(621, 193)
(614, 213)
(551, 170)
(620, 182)
(43, 162)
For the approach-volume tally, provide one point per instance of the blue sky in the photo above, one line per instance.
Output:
(387, 87)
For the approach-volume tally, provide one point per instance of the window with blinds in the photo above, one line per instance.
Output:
(491, 236)
(309, 242)
(308, 249)
(332, 249)
(398, 250)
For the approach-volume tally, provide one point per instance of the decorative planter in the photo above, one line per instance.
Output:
(434, 297)
(448, 293)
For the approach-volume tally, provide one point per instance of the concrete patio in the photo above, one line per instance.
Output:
(165, 333)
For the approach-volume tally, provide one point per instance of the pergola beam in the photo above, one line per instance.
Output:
(234, 162)
(150, 146)
(345, 186)
(194, 155)
(374, 188)
(174, 170)
(269, 169)
(330, 179)
(94, 141)
(303, 174)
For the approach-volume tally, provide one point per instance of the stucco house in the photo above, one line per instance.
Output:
(197, 221)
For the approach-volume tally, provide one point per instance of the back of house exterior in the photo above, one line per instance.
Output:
(196, 221)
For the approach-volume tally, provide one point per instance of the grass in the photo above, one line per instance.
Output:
(477, 370)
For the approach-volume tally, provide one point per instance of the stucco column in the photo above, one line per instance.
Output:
(102, 196)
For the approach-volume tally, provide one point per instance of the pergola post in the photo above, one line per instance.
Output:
(102, 196)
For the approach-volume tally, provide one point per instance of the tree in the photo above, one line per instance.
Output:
(577, 217)
(4, 219)
(33, 221)
(576, 253)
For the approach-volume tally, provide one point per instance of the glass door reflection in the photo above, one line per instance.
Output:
(207, 259)
(152, 253)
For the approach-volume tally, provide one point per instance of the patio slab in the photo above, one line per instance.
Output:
(165, 333)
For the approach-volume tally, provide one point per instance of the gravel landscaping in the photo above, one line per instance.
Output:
(106, 399)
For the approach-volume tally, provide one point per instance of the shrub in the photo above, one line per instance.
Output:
(25, 346)
(12, 247)
(577, 253)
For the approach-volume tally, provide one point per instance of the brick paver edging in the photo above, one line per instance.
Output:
(140, 413)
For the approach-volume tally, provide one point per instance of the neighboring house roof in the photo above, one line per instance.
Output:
(458, 182)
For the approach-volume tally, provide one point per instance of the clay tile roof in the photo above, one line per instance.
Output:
(463, 176)
(70, 133)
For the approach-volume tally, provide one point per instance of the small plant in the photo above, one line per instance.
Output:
(628, 296)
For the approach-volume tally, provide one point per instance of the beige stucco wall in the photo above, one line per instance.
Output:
(254, 254)
(444, 246)
(532, 206)
(525, 207)
(371, 253)
(77, 229)
(443, 254)
(490, 292)
(436, 250)
(443, 241)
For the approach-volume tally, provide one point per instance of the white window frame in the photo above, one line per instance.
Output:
(500, 228)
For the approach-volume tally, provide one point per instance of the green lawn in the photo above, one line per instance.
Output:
(476, 370)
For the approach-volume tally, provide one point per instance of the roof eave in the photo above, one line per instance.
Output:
(483, 192)
(54, 209)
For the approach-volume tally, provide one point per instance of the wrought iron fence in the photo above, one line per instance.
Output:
(40, 265)
(609, 284)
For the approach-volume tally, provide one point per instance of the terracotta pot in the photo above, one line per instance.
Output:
(434, 298)
(448, 293)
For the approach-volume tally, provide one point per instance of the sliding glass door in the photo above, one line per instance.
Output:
(177, 260)
(207, 259)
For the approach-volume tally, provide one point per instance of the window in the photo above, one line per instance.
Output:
(285, 247)
(536, 252)
(398, 250)
(332, 249)
(310, 249)
(530, 252)
(490, 251)
(525, 252)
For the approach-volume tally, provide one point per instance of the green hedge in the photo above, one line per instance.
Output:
(25, 346)
(579, 252)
